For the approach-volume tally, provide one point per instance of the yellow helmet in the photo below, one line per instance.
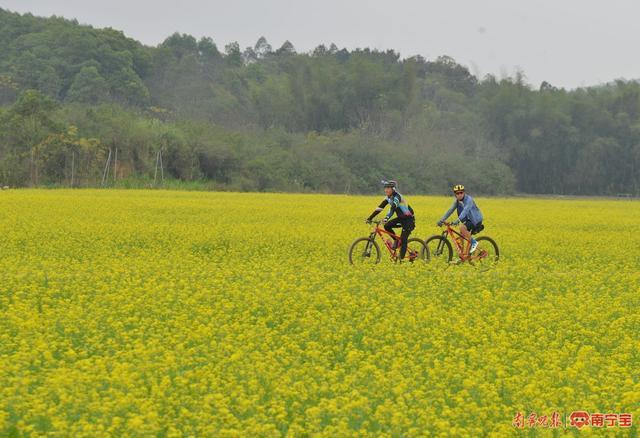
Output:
(458, 188)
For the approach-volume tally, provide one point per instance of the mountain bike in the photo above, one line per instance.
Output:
(440, 249)
(366, 250)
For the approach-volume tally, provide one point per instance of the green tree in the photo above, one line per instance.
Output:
(88, 87)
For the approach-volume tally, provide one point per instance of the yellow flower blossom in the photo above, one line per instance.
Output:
(127, 313)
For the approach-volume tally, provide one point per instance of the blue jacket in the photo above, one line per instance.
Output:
(467, 210)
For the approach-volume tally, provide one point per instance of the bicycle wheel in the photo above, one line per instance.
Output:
(486, 254)
(364, 251)
(439, 250)
(417, 251)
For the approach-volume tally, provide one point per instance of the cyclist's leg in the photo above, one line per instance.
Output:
(407, 227)
(393, 223)
(464, 230)
(471, 230)
(389, 226)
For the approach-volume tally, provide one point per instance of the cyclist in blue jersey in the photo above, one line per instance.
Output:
(405, 217)
(469, 215)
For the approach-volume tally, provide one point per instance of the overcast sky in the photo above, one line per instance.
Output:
(569, 43)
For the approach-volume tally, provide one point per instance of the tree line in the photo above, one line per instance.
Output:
(81, 106)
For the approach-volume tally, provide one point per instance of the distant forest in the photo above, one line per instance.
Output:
(81, 107)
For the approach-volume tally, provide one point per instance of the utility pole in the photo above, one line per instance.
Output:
(115, 165)
(155, 173)
(158, 163)
(106, 167)
(73, 164)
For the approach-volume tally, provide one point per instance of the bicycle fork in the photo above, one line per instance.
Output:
(367, 249)
(441, 244)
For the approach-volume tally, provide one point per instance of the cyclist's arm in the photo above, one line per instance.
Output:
(448, 213)
(381, 207)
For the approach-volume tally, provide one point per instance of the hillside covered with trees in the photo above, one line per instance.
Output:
(263, 118)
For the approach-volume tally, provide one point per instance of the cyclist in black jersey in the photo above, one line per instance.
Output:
(405, 217)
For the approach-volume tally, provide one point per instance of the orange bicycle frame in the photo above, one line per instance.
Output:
(381, 232)
(454, 235)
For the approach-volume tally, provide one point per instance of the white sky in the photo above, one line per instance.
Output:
(569, 43)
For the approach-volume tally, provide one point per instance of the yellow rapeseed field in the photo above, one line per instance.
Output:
(183, 313)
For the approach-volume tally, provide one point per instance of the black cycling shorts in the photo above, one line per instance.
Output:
(474, 229)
